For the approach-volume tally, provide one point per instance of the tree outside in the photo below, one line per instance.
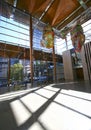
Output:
(17, 72)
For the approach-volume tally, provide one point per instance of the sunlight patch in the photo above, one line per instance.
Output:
(20, 113)
(83, 95)
(12, 95)
(77, 104)
(36, 126)
(33, 101)
(57, 117)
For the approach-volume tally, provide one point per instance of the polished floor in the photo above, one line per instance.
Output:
(63, 106)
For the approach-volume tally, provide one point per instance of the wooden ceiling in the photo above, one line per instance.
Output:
(57, 13)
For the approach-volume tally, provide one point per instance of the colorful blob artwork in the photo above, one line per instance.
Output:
(77, 37)
(48, 37)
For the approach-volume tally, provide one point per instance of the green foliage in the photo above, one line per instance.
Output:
(17, 71)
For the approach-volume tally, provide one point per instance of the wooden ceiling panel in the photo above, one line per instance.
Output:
(29, 6)
(58, 11)
(41, 7)
(64, 8)
(23, 5)
(76, 13)
(69, 19)
(50, 14)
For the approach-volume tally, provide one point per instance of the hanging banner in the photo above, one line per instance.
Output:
(48, 37)
(77, 37)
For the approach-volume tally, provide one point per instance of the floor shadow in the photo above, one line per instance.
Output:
(33, 116)
(14, 96)
(83, 86)
(37, 113)
(65, 106)
(7, 121)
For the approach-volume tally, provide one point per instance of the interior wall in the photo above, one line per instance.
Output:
(67, 62)
(86, 60)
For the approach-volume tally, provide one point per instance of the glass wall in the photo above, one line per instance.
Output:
(3, 71)
(13, 32)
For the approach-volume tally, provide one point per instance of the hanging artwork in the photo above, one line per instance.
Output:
(48, 37)
(77, 37)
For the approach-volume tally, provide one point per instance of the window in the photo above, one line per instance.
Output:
(14, 32)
